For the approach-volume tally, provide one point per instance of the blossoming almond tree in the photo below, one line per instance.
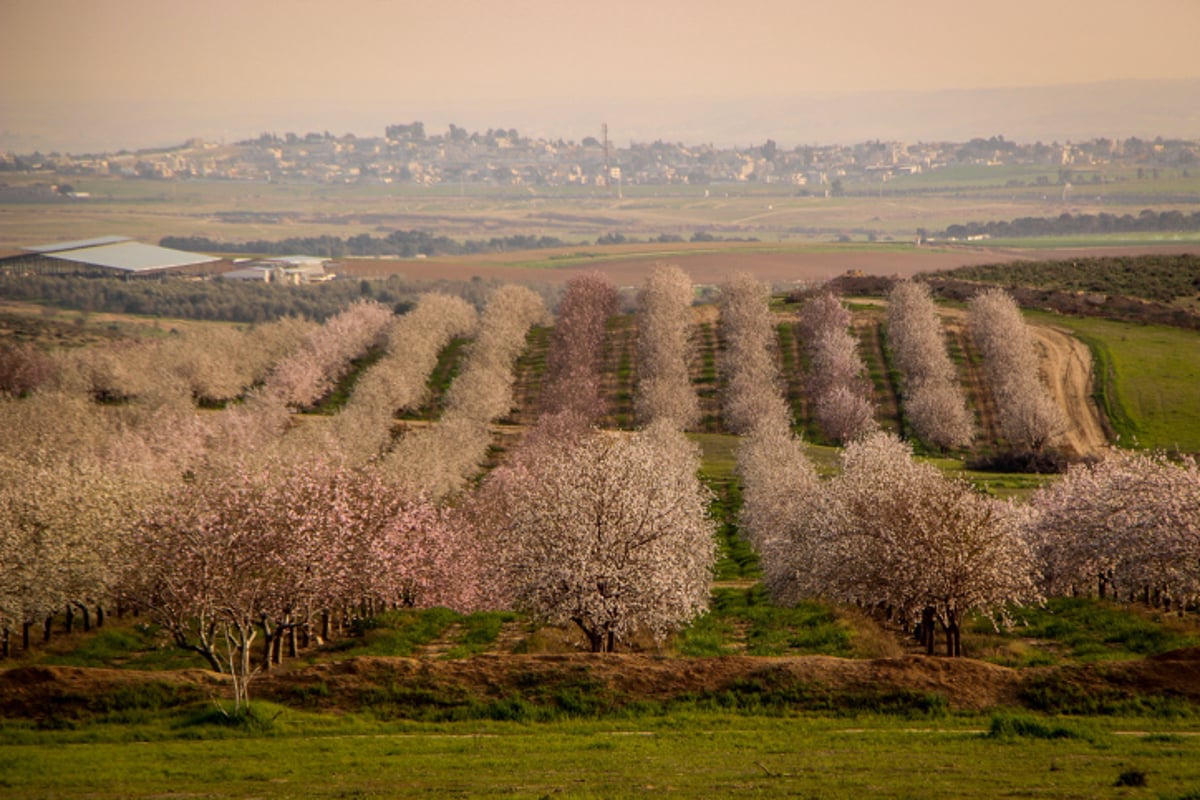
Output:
(1029, 417)
(933, 402)
(611, 535)
(262, 548)
(914, 541)
(1128, 526)
(752, 395)
(836, 381)
(439, 460)
(362, 430)
(573, 368)
(664, 317)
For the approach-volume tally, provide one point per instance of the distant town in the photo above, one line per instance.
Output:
(408, 154)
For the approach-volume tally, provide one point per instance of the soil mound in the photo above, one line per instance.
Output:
(600, 682)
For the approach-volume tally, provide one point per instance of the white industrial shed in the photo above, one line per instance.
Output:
(118, 255)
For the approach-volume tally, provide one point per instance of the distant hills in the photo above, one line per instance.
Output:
(1118, 109)
(1115, 109)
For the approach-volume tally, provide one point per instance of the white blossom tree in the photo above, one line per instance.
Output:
(894, 534)
(837, 386)
(934, 404)
(439, 461)
(1029, 417)
(1128, 526)
(611, 535)
(752, 395)
(664, 317)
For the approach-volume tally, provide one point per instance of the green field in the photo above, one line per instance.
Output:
(1148, 379)
(697, 754)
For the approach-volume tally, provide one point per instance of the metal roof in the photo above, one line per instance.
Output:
(54, 248)
(132, 256)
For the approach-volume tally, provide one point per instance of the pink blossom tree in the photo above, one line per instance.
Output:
(573, 368)
(260, 550)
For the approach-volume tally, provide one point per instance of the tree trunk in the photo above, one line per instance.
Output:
(325, 626)
(25, 626)
(268, 643)
(927, 627)
(70, 621)
(99, 616)
(4, 644)
(292, 650)
(595, 638)
(277, 646)
(87, 617)
(46, 628)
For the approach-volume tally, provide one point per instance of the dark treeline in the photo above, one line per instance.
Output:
(1158, 289)
(228, 301)
(404, 244)
(1066, 224)
(408, 244)
(1164, 279)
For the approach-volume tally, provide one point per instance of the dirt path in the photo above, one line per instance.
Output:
(1068, 373)
(1067, 370)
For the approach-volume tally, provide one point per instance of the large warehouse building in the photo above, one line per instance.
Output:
(108, 255)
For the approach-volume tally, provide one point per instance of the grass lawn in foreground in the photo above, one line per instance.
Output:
(693, 754)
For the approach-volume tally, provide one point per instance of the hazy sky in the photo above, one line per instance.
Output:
(79, 74)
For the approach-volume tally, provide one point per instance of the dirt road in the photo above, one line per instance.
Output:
(1068, 373)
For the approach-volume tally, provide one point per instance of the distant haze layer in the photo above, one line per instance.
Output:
(94, 76)
(1118, 109)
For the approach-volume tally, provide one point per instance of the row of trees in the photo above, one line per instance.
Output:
(1066, 224)
(888, 534)
(438, 461)
(248, 528)
(934, 405)
(836, 374)
(1029, 417)
(399, 243)
(665, 350)
(234, 301)
(607, 532)
(751, 393)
